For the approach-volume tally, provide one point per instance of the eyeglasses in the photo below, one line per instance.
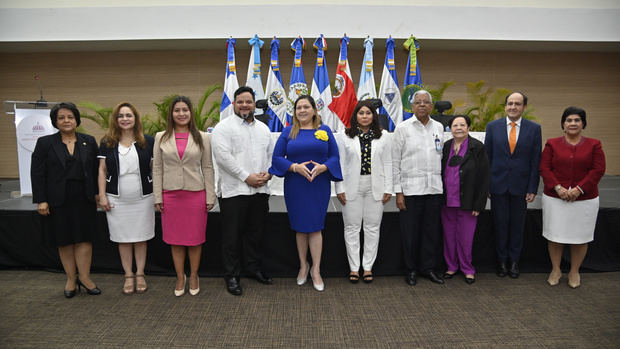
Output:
(422, 102)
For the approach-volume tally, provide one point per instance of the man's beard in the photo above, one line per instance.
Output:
(246, 116)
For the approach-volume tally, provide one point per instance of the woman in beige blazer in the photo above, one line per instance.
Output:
(183, 186)
(366, 161)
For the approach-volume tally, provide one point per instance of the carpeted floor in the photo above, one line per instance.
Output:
(494, 312)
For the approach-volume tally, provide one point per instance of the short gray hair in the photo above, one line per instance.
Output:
(419, 92)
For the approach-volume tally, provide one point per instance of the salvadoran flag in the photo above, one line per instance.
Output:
(274, 92)
(254, 79)
(413, 80)
(367, 88)
(297, 86)
(320, 91)
(388, 90)
(344, 98)
(230, 83)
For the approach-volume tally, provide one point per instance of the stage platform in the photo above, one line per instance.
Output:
(21, 240)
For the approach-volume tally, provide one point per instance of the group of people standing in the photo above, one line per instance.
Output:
(437, 184)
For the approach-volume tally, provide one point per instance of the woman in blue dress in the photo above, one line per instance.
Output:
(306, 155)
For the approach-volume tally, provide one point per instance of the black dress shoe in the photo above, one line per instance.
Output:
(410, 278)
(233, 286)
(70, 294)
(263, 278)
(513, 272)
(91, 291)
(433, 277)
(502, 270)
(447, 275)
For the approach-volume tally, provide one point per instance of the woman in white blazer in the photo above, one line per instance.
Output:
(366, 161)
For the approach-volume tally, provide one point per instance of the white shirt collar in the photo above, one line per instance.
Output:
(518, 122)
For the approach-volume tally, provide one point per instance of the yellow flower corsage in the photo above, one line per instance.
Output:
(321, 135)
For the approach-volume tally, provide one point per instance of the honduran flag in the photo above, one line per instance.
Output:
(297, 86)
(388, 90)
(274, 92)
(413, 80)
(254, 79)
(230, 84)
(320, 91)
(367, 88)
(344, 97)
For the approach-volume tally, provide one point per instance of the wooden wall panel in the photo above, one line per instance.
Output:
(552, 81)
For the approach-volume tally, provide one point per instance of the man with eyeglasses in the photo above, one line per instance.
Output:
(513, 145)
(416, 162)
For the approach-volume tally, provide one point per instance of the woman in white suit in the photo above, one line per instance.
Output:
(366, 161)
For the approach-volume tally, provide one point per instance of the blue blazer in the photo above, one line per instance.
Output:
(515, 173)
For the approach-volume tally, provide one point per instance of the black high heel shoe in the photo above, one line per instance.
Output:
(91, 291)
(71, 293)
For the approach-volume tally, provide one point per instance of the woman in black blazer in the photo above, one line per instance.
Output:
(64, 179)
(465, 174)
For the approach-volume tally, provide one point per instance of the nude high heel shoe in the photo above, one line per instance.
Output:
(179, 293)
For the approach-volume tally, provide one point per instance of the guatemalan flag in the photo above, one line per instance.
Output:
(297, 86)
(230, 84)
(274, 92)
(344, 97)
(388, 91)
(320, 90)
(367, 89)
(254, 79)
(413, 80)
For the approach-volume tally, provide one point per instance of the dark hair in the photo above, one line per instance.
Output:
(193, 129)
(512, 93)
(244, 89)
(467, 119)
(316, 118)
(375, 126)
(64, 105)
(574, 111)
(114, 131)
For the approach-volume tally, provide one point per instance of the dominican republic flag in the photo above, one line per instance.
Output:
(274, 92)
(254, 79)
(320, 91)
(388, 91)
(230, 84)
(367, 88)
(344, 97)
(413, 80)
(297, 86)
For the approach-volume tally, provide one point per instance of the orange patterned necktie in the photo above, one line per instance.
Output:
(512, 139)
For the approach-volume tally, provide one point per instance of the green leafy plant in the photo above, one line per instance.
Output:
(100, 115)
(437, 94)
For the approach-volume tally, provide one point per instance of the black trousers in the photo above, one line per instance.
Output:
(509, 213)
(420, 230)
(243, 223)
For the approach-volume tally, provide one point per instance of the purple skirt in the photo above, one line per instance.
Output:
(184, 219)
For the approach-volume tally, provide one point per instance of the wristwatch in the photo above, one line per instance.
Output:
(557, 187)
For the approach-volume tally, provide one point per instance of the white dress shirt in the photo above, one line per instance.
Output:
(416, 157)
(509, 127)
(239, 149)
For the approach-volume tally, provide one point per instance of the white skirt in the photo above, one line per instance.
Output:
(569, 222)
(132, 217)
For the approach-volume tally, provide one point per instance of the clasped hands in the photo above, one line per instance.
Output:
(569, 195)
(303, 170)
(257, 180)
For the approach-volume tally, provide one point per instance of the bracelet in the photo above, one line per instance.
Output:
(295, 168)
(557, 187)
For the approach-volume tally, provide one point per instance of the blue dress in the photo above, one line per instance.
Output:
(306, 202)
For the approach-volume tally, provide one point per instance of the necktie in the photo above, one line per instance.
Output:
(512, 138)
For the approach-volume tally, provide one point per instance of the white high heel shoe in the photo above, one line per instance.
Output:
(300, 282)
(194, 292)
(179, 293)
(318, 287)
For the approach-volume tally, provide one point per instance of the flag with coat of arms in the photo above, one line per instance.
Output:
(297, 86)
(367, 88)
(274, 92)
(388, 90)
(254, 79)
(320, 90)
(344, 98)
(413, 80)
(230, 83)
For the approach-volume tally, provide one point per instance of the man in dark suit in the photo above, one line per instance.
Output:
(513, 145)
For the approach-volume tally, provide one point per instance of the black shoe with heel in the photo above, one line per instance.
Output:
(91, 291)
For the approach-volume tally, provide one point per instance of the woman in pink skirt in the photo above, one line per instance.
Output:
(184, 190)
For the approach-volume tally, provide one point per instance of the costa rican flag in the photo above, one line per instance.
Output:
(388, 90)
(413, 80)
(230, 83)
(254, 79)
(320, 90)
(275, 94)
(367, 88)
(344, 97)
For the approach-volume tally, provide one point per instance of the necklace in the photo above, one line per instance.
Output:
(126, 152)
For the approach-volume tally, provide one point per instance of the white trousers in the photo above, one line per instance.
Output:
(364, 208)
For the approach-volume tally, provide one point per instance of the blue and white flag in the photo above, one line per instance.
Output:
(297, 86)
(367, 88)
(388, 91)
(254, 79)
(320, 90)
(413, 80)
(230, 84)
(274, 92)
